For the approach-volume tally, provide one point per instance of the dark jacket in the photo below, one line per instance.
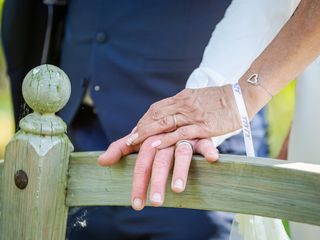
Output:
(23, 31)
(129, 53)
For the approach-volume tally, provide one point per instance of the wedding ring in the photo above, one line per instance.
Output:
(175, 121)
(184, 142)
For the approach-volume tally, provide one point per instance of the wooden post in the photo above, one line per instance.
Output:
(36, 162)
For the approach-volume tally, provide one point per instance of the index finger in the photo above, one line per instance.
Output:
(116, 151)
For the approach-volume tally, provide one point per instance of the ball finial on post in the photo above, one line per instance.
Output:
(34, 179)
(46, 89)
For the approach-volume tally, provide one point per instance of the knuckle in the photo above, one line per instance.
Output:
(184, 149)
(182, 133)
(155, 113)
(161, 164)
(140, 128)
(148, 141)
(113, 145)
(207, 124)
(164, 122)
(141, 169)
(124, 150)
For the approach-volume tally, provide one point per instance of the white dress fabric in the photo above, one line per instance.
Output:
(246, 29)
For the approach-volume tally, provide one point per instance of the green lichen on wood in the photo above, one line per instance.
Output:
(46, 89)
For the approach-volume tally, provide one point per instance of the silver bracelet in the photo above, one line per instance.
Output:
(254, 80)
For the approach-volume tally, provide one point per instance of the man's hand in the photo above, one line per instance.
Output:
(153, 166)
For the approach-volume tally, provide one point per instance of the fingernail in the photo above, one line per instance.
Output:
(137, 203)
(132, 138)
(156, 197)
(156, 143)
(179, 184)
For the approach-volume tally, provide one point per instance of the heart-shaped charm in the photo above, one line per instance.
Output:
(254, 79)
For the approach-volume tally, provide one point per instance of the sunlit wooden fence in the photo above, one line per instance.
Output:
(42, 177)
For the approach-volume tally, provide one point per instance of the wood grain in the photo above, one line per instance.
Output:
(39, 152)
(39, 211)
(258, 186)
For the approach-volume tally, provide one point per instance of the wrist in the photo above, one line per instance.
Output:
(254, 97)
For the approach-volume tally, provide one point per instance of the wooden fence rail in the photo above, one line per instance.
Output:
(259, 186)
(41, 178)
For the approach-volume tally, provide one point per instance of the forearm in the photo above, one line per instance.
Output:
(232, 47)
(296, 46)
(245, 31)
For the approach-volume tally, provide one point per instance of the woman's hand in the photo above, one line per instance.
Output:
(191, 114)
(153, 166)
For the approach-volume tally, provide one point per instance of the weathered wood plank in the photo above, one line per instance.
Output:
(37, 211)
(257, 186)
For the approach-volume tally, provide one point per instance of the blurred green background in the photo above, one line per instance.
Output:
(6, 115)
